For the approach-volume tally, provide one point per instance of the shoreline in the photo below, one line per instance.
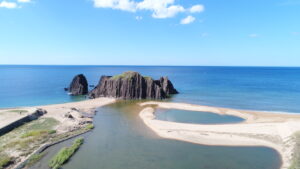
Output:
(265, 129)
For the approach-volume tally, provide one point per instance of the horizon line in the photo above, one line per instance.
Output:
(151, 65)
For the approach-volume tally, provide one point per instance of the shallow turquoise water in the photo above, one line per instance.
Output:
(121, 141)
(184, 116)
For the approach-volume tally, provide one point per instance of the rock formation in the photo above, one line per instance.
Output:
(132, 85)
(79, 85)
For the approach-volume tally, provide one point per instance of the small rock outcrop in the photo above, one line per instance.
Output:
(132, 85)
(78, 86)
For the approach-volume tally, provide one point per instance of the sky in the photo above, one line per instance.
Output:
(150, 32)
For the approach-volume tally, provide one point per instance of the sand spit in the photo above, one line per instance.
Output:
(259, 128)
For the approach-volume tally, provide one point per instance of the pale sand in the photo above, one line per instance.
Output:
(8, 116)
(259, 128)
(58, 112)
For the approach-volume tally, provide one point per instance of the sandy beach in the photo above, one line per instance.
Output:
(274, 130)
(75, 109)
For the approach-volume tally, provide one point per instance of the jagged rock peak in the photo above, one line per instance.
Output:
(79, 85)
(132, 85)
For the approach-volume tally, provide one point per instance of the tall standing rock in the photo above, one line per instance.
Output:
(167, 86)
(79, 85)
(132, 85)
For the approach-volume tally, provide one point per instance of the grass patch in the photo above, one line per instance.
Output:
(5, 160)
(296, 154)
(89, 126)
(65, 154)
(127, 75)
(51, 131)
(43, 124)
(27, 138)
(35, 133)
(34, 159)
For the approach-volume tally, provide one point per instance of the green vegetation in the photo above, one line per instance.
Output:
(89, 126)
(65, 154)
(35, 133)
(4, 160)
(296, 153)
(38, 133)
(147, 77)
(51, 131)
(27, 138)
(23, 140)
(34, 159)
(128, 75)
(43, 124)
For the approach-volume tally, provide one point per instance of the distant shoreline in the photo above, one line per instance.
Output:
(229, 66)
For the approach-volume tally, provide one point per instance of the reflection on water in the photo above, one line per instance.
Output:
(121, 141)
(197, 117)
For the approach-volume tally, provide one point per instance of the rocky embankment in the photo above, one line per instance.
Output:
(132, 85)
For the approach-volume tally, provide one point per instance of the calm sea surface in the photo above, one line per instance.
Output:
(258, 88)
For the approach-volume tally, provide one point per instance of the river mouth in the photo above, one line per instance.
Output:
(122, 141)
(194, 117)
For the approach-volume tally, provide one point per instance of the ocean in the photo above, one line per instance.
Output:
(254, 88)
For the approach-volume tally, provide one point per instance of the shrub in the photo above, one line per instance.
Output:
(34, 133)
(51, 131)
(89, 126)
(65, 154)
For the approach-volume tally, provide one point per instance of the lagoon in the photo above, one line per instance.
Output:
(121, 140)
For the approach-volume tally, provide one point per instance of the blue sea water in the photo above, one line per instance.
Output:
(255, 88)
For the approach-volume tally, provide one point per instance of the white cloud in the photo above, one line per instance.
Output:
(159, 8)
(125, 5)
(253, 35)
(197, 8)
(295, 33)
(167, 12)
(24, 1)
(189, 19)
(10, 5)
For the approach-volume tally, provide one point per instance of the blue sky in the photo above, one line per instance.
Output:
(150, 32)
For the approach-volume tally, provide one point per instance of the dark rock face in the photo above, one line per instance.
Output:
(79, 85)
(132, 85)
